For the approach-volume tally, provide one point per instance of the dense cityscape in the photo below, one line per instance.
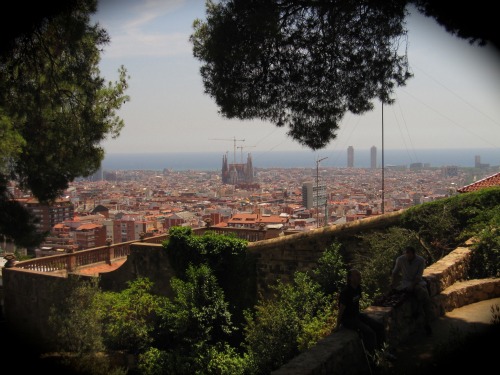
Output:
(114, 206)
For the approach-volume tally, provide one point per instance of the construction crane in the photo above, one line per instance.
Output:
(241, 148)
(228, 139)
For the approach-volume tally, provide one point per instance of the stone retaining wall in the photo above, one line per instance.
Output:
(279, 258)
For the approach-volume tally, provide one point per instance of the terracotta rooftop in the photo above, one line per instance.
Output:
(491, 181)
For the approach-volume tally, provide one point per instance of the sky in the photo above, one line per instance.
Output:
(452, 102)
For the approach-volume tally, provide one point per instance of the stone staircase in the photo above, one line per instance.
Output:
(342, 351)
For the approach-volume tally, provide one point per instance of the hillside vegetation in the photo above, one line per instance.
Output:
(215, 323)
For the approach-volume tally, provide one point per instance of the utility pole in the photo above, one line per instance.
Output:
(317, 190)
(383, 187)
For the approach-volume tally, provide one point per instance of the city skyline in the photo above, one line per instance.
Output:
(452, 101)
(205, 161)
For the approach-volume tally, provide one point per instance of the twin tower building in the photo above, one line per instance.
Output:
(373, 157)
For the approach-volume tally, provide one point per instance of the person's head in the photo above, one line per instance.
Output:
(410, 252)
(353, 277)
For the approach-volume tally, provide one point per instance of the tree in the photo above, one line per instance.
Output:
(304, 64)
(195, 325)
(55, 109)
(301, 64)
(24, 18)
(476, 23)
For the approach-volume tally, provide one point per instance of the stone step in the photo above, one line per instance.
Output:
(466, 292)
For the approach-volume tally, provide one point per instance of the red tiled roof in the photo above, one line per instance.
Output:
(491, 181)
(88, 226)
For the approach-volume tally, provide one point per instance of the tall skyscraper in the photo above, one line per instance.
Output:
(373, 157)
(350, 157)
(313, 196)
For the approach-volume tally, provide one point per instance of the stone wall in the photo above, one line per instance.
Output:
(28, 298)
(29, 295)
(280, 258)
(145, 260)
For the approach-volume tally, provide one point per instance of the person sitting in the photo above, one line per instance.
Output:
(409, 267)
(349, 315)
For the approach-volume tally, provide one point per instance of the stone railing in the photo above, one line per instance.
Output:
(70, 262)
(449, 289)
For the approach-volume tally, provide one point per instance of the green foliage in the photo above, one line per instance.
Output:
(194, 322)
(15, 220)
(444, 224)
(152, 361)
(282, 326)
(271, 337)
(129, 317)
(181, 250)
(202, 313)
(486, 256)
(76, 326)
(298, 64)
(225, 360)
(91, 364)
(331, 271)
(226, 256)
(51, 93)
(376, 255)
(436, 226)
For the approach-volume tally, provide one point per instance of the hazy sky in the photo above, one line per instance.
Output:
(453, 101)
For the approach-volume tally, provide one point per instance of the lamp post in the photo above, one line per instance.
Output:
(317, 190)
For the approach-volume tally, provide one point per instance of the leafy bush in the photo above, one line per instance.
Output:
(486, 256)
(444, 224)
(281, 326)
(331, 272)
(375, 260)
(128, 317)
(77, 328)
(227, 257)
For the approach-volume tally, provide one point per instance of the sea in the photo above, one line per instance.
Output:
(212, 161)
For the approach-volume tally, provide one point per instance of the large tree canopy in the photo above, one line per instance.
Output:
(55, 109)
(301, 64)
(304, 64)
(475, 22)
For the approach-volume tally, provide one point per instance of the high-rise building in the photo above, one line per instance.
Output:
(373, 157)
(478, 164)
(350, 157)
(51, 214)
(313, 195)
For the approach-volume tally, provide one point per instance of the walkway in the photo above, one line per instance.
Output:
(96, 269)
(470, 326)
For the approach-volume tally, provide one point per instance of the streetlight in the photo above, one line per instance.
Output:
(317, 190)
